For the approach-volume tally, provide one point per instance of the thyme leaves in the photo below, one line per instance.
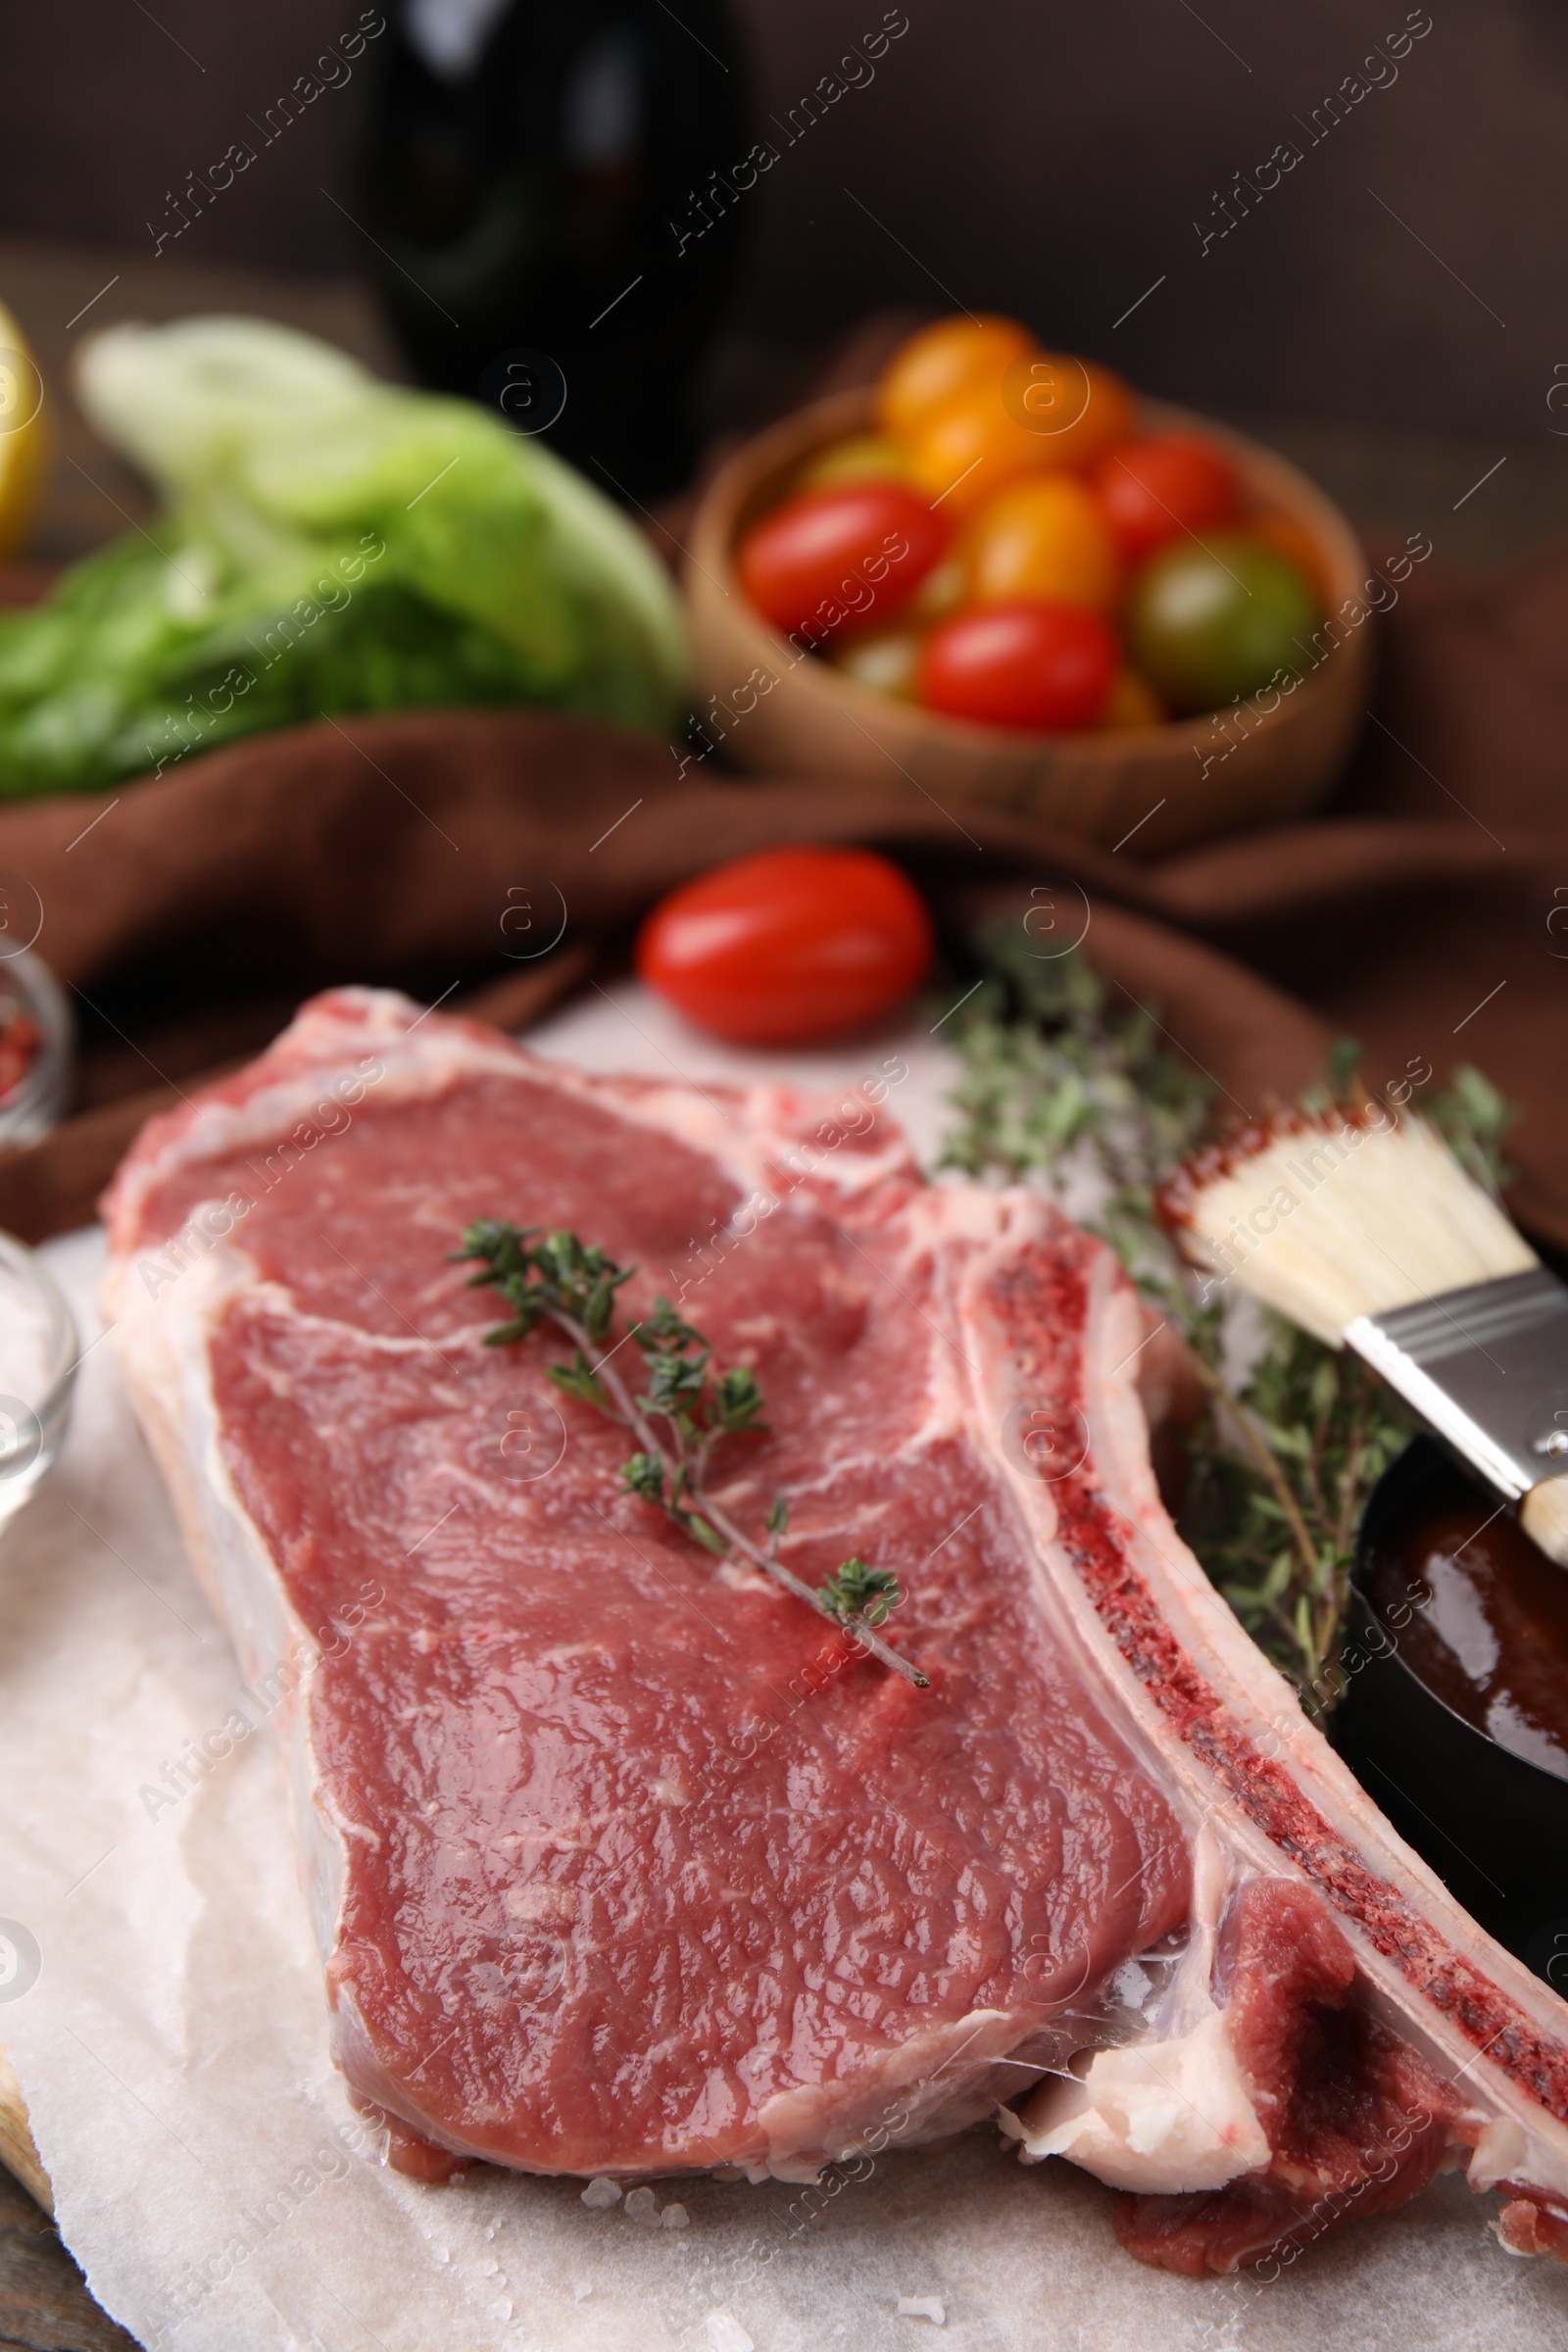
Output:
(1063, 1085)
(682, 1410)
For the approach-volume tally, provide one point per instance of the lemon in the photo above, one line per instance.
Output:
(24, 433)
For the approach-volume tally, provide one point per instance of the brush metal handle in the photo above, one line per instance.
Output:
(1486, 1366)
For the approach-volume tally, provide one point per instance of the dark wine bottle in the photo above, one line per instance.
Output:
(534, 175)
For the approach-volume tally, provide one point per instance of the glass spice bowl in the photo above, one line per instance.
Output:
(38, 1047)
(38, 1356)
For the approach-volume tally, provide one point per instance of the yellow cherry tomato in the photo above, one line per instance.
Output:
(886, 658)
(1132, 706)
(1046, 535)
(967, 450)
(941, 592)
(865, 458)
(1076, 409)
(934, 366)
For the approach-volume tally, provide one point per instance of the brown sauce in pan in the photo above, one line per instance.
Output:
(1481, 1617)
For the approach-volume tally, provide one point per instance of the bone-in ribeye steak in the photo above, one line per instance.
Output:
(621, 1860)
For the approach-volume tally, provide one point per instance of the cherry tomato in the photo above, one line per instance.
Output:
(1164, 487)
(1032, 663)
(886, 658)
(863, 458)
(842, 556)
(962, 453)
(1047, 415)
(788, 946)
(1044, 536)
(1074, 408)
(1208, 624)
(941, 592)
(948, 358)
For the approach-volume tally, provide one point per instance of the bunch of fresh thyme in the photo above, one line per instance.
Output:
(685, 1410)
(1059, 1083)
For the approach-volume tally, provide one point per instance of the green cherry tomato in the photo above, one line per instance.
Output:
(1208, 624)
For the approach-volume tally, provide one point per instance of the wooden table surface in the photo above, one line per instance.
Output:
(44, 2303)
(1387, 480)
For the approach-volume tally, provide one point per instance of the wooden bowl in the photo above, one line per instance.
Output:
(1257, 762)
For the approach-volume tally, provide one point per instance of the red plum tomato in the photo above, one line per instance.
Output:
(1035, 663)
(788, 946)
(840, 557)
(1164, 487)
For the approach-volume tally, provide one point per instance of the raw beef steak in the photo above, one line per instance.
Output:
(620, 1859)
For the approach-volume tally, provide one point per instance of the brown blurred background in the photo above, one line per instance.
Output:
(1392, 313)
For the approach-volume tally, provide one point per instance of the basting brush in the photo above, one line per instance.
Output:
(1361, 1227)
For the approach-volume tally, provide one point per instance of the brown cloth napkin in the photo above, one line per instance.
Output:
(1426, 914)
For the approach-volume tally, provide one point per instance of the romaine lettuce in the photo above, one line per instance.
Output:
(328, 543)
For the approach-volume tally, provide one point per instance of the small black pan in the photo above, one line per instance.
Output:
(1493, 1824)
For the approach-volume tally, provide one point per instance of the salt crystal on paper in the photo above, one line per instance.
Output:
(601, 2194)
(726, 2334)
(642, 2206)
(676, 2217)
(581, 2290)
(923, 2307)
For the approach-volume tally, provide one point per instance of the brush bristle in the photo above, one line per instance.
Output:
(1543, 1516)
(1325, 1220)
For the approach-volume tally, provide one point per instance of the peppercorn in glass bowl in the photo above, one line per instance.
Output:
(38, 1047)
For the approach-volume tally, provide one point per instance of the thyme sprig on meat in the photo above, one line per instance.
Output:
(1058, 1082)
(685, 1409)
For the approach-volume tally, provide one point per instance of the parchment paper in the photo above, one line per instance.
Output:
(208, 2169)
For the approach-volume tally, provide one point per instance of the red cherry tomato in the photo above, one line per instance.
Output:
(788, 946)
(1034, 664)
(1158, 489)
(841, 556)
